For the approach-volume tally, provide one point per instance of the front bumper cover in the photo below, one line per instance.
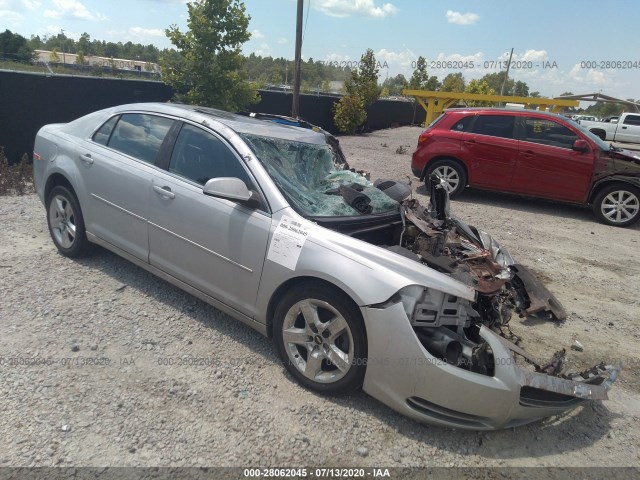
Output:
(402, 374)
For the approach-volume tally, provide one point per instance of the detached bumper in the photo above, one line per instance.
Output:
(404, 376)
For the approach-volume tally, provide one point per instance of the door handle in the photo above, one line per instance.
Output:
(624, 128)
(86, 158)
(164, 191)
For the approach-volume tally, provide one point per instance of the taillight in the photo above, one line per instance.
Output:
(424, 136)
(36, 156)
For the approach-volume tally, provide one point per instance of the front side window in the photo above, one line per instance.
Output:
(140, 135)
(548, 132)
(494, 125)
(306, 175)
(200, 156)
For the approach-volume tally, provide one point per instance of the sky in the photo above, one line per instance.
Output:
(582, 46)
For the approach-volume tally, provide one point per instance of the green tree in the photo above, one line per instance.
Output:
(454, 82)
(395, 85)
(495, 81)
(206, 68)
(521, 89)
(349, 113)
(420, 76)
(80, 58)
(479, 87)
(15, 47)
(364, 80)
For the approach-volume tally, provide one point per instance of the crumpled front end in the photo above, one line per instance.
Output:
(443, 359)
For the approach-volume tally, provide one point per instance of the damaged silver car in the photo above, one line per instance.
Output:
(358, 284)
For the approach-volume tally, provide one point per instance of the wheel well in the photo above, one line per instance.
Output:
(451, 159)
(286, 286)
(603, 185)
(596, 131)
(55, 180)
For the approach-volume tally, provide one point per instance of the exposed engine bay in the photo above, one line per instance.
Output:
(449, 327)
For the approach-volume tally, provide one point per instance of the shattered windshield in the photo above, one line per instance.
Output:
(306, 175)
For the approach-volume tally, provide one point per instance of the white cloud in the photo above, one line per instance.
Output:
(73, 9)
(257, 34)
(347, 8)
(10, 16)
(336, 57)
(462, 18)
(31, 4)
(398, 61)
(282, 41)
(146, 32)
(264, 50)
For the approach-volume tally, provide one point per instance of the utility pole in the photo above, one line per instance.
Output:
(507, 75)
(295, 107)
(64, 57)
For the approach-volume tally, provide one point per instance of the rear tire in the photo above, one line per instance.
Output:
(617, 205)
(66, 224)
(452, 174)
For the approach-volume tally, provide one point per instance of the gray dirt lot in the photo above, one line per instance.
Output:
(103, 364)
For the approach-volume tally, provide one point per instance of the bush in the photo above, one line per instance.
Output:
(15, 179)
(349, 113)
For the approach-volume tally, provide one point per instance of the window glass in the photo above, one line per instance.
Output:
(463, 124)
(632, 120)
(201, 156)
(103, 134)
(548, 132)
(494, 125)
(140, 135)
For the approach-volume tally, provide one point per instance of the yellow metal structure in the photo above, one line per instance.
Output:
(427, 100)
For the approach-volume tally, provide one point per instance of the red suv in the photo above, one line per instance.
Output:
(530, 153)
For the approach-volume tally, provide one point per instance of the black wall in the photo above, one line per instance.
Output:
(29, 101)
(317, 109)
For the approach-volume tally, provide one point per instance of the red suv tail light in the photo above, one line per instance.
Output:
(424, 136)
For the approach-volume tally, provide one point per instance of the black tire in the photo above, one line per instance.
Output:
(452, 173)
(346, 343)
(66, 224)
(618, 205)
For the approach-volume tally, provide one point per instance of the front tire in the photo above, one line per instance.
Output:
(452, 174)
(618, 205)
(319, 334)
(66, 224)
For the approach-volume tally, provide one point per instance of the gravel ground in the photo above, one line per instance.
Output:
(104, 364)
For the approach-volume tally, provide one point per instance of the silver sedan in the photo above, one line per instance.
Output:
(359, 285)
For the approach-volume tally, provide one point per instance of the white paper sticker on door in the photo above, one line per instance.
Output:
(287, 242)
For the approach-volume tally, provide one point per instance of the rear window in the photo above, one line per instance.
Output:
(140, 135)
(464, 124)
(494, 125)
(632, 120)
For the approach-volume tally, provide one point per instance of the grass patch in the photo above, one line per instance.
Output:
(15, 179)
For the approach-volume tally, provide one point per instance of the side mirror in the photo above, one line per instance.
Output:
(233, 189)
(580, 146)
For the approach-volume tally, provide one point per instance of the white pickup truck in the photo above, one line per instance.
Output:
(626, 130)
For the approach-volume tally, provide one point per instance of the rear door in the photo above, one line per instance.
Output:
(547, 165)
(491, 151)
(215, 245)
(629, 129)
(117, 167)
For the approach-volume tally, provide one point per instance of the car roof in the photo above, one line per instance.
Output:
(239, 123)
(514, 111)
